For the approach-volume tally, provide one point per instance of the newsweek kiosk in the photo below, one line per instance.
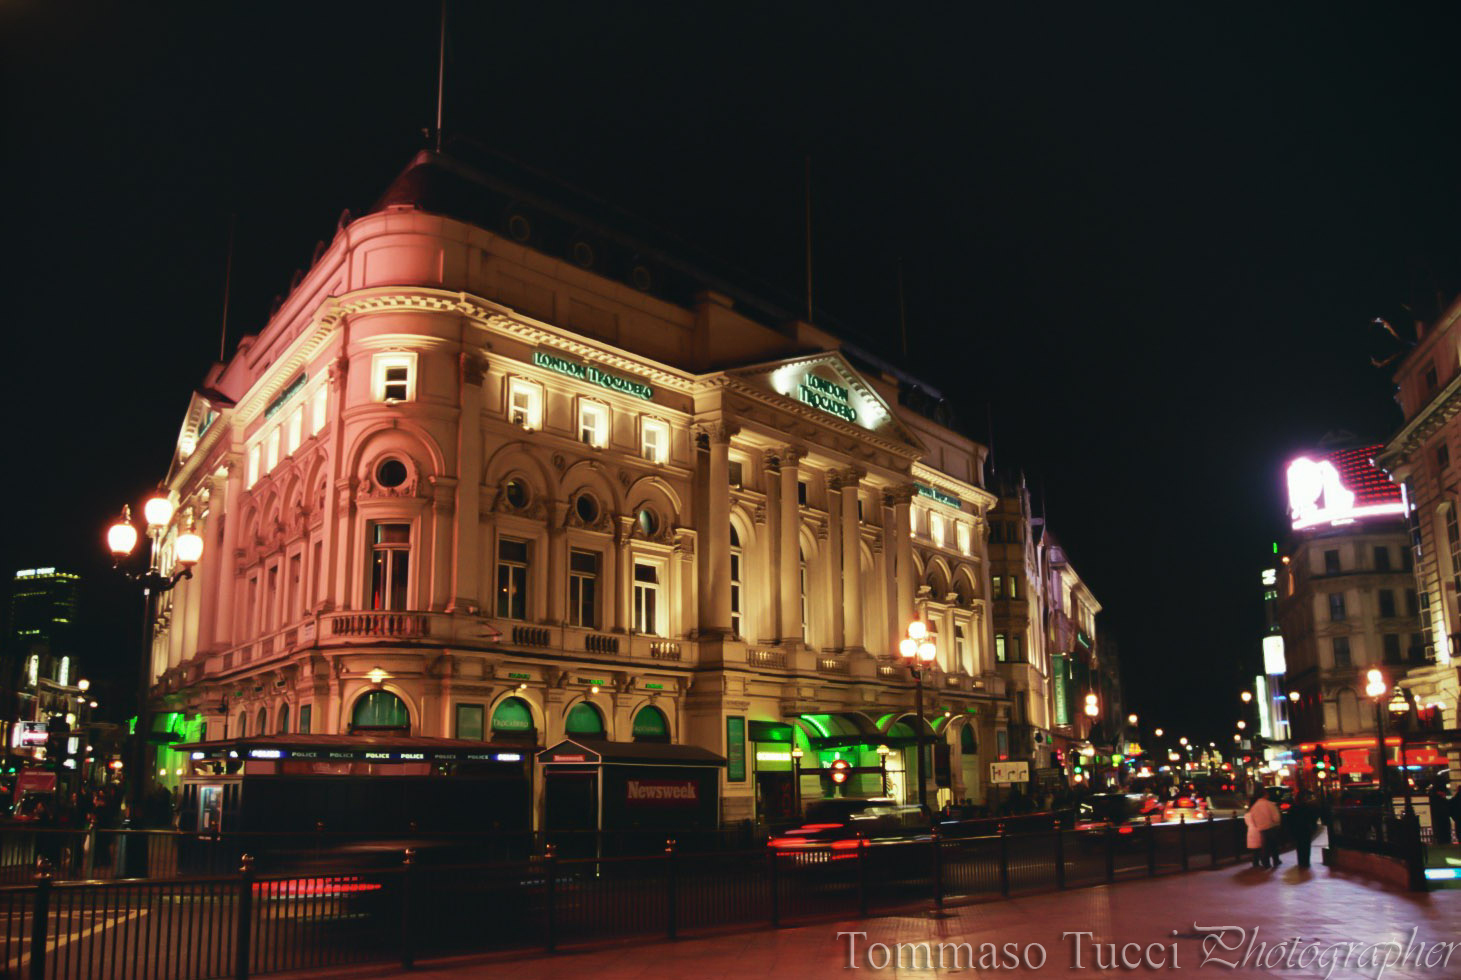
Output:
(638, 792)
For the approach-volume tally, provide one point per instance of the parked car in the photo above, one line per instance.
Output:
(1187, 805)
(1102, 813)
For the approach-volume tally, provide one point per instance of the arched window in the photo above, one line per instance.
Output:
(284, 719)
(261, 723)
(650, 725)
(967, 744)
(584, 719)
(380, 709)
(512, 721)
(802, 562)
(243, 725)
(735, 581)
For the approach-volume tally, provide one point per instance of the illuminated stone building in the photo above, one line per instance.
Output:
(1070, 641)
(1017, 592)
(496, 471)
(1425, 457)
(1347, 599)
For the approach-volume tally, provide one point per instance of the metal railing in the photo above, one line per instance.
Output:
(1377, 830)
(250, 922)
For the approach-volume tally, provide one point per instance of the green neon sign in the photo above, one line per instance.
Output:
(826, 396)
(938, 495)
(587, 372)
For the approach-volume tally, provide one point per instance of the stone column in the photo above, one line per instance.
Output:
(443, 502)
(624, 572)
(901, 500)
(715, 588)
(830, 599)
(466, 561)
(768, 579)
(339, 495)
(789, 546)
(228, 508)
(558, 564)
(853, 604)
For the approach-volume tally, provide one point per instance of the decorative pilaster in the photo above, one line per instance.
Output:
(788, 545)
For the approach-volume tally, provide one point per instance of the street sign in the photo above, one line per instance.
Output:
(1004, 773)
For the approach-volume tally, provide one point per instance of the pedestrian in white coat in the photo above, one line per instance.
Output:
(1262, 820)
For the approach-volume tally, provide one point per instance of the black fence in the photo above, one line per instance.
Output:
(1378, 830)
(252, 922)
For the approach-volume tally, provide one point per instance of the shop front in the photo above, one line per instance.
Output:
(602, 797)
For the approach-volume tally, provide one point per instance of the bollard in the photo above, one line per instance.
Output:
(671, 874)
(861, 874)
(550, 862)
(774, 860)
(1059, 855)
(408, 937)
(1110, 854)
(938, 869)
(88, 850)
(1151, 847)
(1004, 861)
(1182, 837)
(40, 913)
(1212, 838)
(243, 927)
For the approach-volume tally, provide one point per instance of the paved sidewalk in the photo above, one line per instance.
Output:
(1320, 906)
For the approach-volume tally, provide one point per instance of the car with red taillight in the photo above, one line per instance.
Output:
(836, 829)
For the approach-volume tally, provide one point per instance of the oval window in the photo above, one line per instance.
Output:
(516, 493)
(648, 523)
(391, 473)
(587, 508)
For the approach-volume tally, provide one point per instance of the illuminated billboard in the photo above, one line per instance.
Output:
(1340, 487)
(1273, 659)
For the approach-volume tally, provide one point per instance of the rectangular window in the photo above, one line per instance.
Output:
(646, 599)
(1390, 643)
(1014, 532)
(525, 403)
(654, 440)
(1017, 649)
(296, 431)
(390, 566)
(998, 581)
(318, 408)
(1382, 558)
(252, 473)
(936, 529)
(251, 603)
(1432, 380)
(593, 424)
(1387, 603)
(296, 574)
(470, 722)
(801, 492)
(1331, 563)
(1443, 457)
(1412, 603)
(271, 597)
(271, 450)
(512, 579)
(1415, 653)
(317, 571)
(394, 377)
(964, 537)
(305, 712)
(583, 589)
(996, 532)
(1001, 654)
(1013, 594)
(961, 649)
(737, 473)
(735, 583)
(1341, 652)
(1336, 606)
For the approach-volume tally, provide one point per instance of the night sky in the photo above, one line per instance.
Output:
(1149, 248)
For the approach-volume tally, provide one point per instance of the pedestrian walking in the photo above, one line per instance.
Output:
(1440, 819)
(1262, 820)
(1303, 821)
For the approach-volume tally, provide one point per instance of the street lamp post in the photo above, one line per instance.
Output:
(1376, 687)
(796, 778)
(187, 549)
(883, 766)
(917, 648)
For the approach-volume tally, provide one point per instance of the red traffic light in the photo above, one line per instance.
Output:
(839, 771)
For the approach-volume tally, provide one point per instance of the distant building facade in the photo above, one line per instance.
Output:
(488, 475)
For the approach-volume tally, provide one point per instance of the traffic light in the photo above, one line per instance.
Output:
(58, 733)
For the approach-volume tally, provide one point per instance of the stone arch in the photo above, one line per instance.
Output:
(413, 711)
(652, 704)
(649, 486)
(399, 434)
(653, 495)
(744, 523)
(591, 475)
(965, 585)
(581, 703)
(936, 576)
(516, 458)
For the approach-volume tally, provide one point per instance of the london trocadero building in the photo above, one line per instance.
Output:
(494, 472)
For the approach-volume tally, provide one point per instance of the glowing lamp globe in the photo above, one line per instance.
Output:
(917, 629)
(927, 651)
(83, 685)
(121, 539)
(1376, 685)
(1293, 695)
(908, 648)
(158, 511)
(189, 548)
(1246, 696)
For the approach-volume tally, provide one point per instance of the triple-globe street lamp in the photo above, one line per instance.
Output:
(155, 580)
